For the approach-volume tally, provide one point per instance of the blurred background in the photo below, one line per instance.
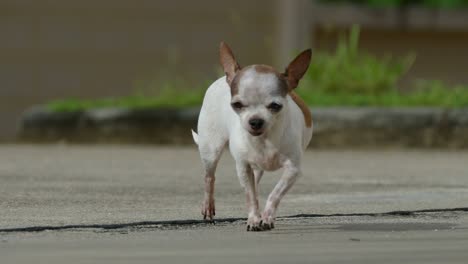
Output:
(61, 49)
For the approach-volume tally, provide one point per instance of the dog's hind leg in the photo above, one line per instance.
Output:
(210, 153)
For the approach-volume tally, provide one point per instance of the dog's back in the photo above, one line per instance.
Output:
(308, 122)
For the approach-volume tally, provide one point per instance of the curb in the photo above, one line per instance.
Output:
(333, 127)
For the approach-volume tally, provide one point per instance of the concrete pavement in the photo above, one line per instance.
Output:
(94, 186)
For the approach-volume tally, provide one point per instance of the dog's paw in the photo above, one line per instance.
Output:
(208, 209)
(254, 223)
(268, 222)
(268, 226)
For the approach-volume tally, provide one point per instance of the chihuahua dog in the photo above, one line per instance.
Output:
(255, 111)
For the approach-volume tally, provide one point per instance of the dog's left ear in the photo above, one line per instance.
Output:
(297, 68)
(229, 63)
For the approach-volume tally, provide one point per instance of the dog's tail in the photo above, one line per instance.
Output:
(195, 137)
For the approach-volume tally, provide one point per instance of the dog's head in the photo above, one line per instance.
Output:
(258, 92)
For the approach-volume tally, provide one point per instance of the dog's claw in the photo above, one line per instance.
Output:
(267, 226)
(255, 224)
(208, 210)
(207, 216)
(257, 227)
(268, 221)
(253, 228)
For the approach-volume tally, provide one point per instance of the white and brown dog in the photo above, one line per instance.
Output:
(267, 126)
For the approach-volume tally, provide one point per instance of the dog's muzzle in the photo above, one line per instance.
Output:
(256, 126)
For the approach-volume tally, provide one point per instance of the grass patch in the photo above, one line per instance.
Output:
(430, 94)
(456, 98)
(166, 99)
(352, 77)
(352, 71)
(348, 77)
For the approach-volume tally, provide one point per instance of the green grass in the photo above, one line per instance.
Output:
(431, 94)
(352, 77)
(166, 99)
(352, 71)
(347, 77)
(436, 98)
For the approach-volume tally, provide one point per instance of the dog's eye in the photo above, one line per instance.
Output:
(237, 105)
(275, 107)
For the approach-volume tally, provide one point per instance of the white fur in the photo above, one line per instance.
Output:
(281, 146)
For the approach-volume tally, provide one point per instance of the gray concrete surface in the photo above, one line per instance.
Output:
(94, 186)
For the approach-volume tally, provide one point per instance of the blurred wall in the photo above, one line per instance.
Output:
(438, 38)
(53, 49)
(93, 48)
(439, 55)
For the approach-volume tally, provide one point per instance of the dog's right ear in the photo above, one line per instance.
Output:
(297, 68)
(229, 63)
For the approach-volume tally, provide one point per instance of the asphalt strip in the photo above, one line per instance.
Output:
(193, 222)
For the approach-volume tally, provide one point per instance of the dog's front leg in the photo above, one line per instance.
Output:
(290, 175)
(247, 180)
(258, 176)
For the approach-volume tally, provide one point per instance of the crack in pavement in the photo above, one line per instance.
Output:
(193, 222)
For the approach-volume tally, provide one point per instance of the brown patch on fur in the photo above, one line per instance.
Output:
(235, 82)
(261, 68)
(303, 61)
(304, 108)
(265, 69)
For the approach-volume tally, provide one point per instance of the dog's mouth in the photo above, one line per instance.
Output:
(255, 133)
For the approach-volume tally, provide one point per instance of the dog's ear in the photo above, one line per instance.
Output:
(297, 68)
(227, 60)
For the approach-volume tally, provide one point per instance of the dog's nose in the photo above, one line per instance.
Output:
(256, 123)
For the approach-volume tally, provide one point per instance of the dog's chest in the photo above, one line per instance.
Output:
(267, 158)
